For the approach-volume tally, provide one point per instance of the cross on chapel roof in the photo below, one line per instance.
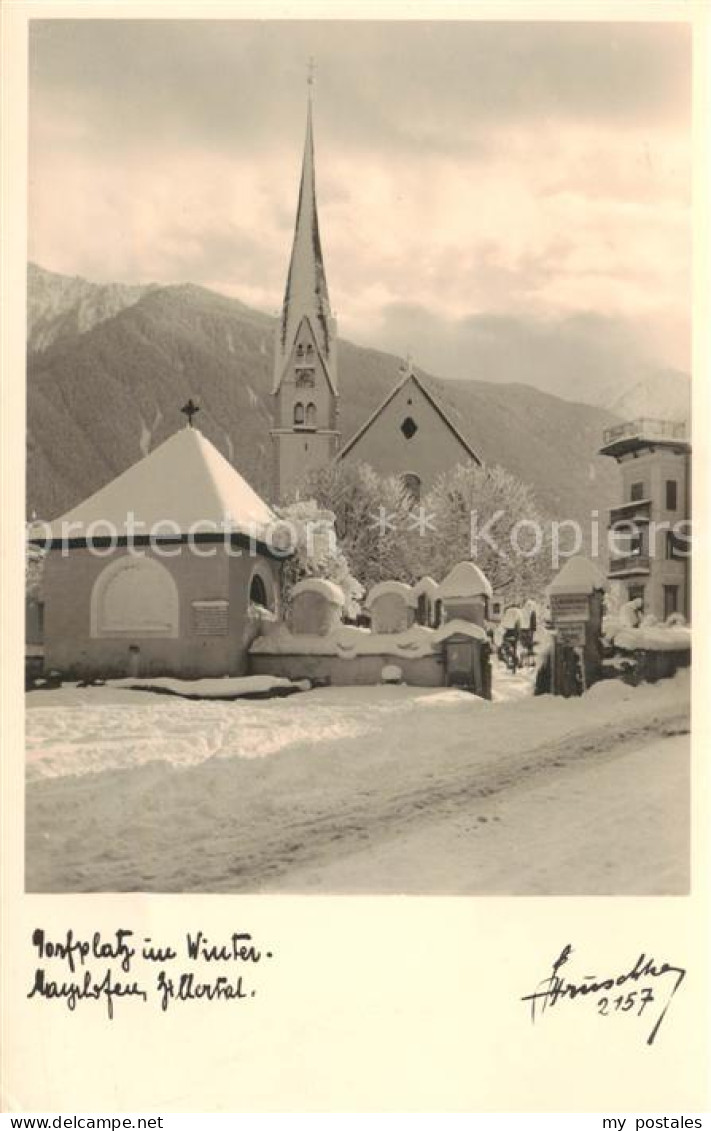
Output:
(190, 409)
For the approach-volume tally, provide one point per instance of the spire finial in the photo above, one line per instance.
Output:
(310, 74)
(406, 364)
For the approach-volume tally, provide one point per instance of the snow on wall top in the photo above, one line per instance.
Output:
(327, 589)
(578, 575)
(183, 482)
(657, 638)
(465, 580)
(394, 588)
(348, 642)
(459, 627)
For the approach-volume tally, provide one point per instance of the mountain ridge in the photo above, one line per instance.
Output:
(102, 393)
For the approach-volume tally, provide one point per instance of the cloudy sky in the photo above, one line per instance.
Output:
(507, 183)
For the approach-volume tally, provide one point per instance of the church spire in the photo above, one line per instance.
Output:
(306, 293)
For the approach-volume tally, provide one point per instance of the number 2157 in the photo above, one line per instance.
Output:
(625, 1003)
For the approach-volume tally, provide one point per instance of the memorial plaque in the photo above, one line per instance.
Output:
(209, 618)
(570, 607)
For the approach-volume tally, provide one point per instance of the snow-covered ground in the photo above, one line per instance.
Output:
(611, 825)
(361, 789)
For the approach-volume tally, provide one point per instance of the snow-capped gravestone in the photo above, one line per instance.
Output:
(316, 607)
(467, 655)
(465, 594)
(576, 599)
(392, 607)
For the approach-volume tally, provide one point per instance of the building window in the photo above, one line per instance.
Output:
(638, 542)
(258, 592)
(298, 413)
(635, 592)
(305, 378)
(311, 415)
(408, 427)
(671, 600)
(413, 485)
(671, 494)
(636, 492)
(676, 550)
(261, 590)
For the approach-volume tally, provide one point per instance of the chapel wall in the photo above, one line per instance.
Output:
(212, 638)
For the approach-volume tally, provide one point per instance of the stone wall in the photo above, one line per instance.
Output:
(423, 671)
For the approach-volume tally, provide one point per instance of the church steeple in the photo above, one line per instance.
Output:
(305, 425)
(306, 293)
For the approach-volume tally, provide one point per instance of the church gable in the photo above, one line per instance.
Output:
(305, 397)
(410, 435)
(305, 366)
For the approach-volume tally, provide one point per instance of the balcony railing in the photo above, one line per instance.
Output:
(638, 511)
(638, 563)
(647, 428)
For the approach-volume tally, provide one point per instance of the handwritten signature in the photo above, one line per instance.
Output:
(556, 988)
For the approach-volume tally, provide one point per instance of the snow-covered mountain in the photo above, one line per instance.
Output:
(62, 306)
(108, 369)
(666, 395)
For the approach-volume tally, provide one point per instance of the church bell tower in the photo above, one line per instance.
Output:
(305, 390)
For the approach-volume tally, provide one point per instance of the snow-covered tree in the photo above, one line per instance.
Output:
(317, 552)
(372, 518)
(488, 516)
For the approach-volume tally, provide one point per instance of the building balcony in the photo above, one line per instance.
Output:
(640, 510)
(643, 433)
(629, 565)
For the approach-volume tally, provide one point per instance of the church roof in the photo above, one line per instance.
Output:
(183, 482)
(410, 376)
(306, 291)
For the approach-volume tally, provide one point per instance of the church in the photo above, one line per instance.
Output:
(409, 435)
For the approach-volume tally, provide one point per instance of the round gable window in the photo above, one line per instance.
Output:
(408, 427)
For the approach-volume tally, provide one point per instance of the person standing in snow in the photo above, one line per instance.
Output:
(511, 626)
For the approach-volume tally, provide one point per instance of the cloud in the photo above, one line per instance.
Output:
(578, 357)
(530, 171)
(413, 83)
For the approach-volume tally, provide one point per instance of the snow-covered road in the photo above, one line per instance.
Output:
(612, 825)
(367, 789)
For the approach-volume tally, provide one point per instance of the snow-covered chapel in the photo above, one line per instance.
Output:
(167, 569)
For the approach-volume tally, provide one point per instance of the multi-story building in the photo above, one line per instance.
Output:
(650, 531)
